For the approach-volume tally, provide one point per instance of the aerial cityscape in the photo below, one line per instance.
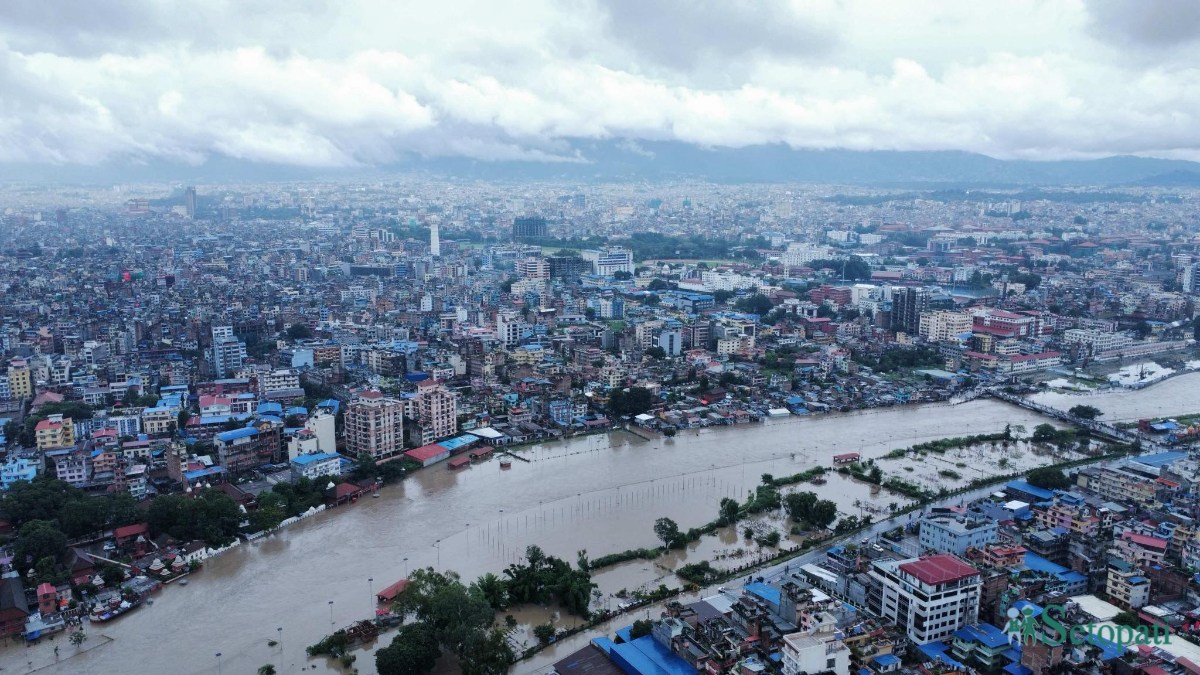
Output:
(351, 352)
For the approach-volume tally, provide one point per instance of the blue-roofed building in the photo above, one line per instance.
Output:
(316, 465)
(330, 404)
(1019, 489)
(269, 408)
(981, 643)
(205, 475)
(1073, 583)
(885, 663)
(1160, 459)
(768, 594)
(938, 652)
(249, 447)
(645, 656)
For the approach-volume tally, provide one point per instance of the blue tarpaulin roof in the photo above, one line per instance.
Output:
(645, 656)
(1161, 459)
(457, 442)
(936, 651)
(886, 660)
(768, 593)
(984, 633)
(244, 432)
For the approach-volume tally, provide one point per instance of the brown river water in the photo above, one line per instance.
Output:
(600, 493)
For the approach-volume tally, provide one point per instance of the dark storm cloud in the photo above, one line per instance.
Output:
(1145, 23)
(683, 34)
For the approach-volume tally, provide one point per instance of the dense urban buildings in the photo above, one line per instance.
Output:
(292, 346)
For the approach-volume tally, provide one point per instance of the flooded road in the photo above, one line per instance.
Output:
(600, 493)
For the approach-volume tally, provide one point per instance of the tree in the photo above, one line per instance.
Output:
(754, 304)
(299, 331)
(631, 401)
(651, 300)
(490, 656)
(267, 669)
(1044, 433)
(622, 275)
(656, 352)
(78, 637)
(729, 511)
(36, 540)
(1048, 478)
(657, 284)
(641, 628)
(544, 632)
(492, 588)
(666, 530)
(1086, 412)
(413, 651)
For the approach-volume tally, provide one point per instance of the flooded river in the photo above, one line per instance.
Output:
(600, 493)
(1179, 395)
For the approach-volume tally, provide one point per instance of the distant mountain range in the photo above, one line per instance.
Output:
(618, 160)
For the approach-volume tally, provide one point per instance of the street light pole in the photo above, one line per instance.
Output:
(330, 612)
(371, 588)
(218, 663)
(280, 631)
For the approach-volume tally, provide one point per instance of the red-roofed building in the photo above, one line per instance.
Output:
(428, 454)
(389, 594)
(1141, 549)
(929, 597)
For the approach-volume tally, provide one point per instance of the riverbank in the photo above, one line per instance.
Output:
(601, 493)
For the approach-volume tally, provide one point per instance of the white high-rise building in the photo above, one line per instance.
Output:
(228, 352)
(929, 597)
(435, 242)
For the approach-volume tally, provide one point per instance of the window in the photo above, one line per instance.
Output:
(830, 664)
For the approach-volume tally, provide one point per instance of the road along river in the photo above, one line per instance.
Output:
(600, 493)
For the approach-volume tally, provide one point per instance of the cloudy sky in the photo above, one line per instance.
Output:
(327, 83)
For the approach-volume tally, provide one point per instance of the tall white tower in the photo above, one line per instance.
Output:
(435, 243)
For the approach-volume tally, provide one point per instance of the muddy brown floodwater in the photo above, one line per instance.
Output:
(599, 493)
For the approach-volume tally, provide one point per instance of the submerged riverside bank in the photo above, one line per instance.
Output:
(600, 493)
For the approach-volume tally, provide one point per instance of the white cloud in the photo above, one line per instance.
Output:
(362, 82)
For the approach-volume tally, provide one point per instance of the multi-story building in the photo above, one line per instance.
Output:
(17, 468)
(313, 466)
(55, 431)
(609, 260)
(228, 352)
(568, 267)
(20, 379)
(280, 384)
(1096, 342)
(929, 597)
(956, 534)
(436, 411)
(534, 268)
(159, 421)
(907, 306)
(943, 325)
(530, 227)
(815, 652)
(243, 449)
(375, 426)
(1126, 587)
(74, 468)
